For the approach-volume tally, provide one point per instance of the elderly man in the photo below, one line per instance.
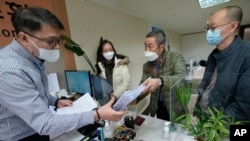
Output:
(165, 68)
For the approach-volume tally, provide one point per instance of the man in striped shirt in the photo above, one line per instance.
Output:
(24, 96)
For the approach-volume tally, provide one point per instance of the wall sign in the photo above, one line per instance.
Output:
(7, 8)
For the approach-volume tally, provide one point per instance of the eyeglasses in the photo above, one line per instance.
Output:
(52, 43)
(207, 27)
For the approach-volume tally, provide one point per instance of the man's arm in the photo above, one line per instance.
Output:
(20, 97)
(179, 71)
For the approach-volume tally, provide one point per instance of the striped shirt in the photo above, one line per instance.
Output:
(25, 100)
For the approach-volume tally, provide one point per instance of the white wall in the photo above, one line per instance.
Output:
(88, 22)
(195, 45)
(175, 41)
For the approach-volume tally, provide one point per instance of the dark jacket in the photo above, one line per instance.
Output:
(231, 92)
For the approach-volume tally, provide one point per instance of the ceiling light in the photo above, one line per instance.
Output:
(208, 3)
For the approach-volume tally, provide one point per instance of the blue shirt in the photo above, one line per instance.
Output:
(25, 100)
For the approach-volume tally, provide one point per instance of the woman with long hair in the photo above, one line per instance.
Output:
(113, 67)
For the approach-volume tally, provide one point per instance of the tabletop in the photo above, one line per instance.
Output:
(152, 129)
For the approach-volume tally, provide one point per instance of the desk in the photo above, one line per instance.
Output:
(150, 130)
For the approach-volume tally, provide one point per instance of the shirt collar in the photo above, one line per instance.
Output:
(16, 46)
(160, 60)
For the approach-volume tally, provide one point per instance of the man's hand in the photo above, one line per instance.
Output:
(151, 85)
(107, 113)
(64, 102)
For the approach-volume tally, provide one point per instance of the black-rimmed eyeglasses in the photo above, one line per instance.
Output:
(52, 43)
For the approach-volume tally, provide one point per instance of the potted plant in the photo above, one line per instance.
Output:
(210, 127)
(214, 127)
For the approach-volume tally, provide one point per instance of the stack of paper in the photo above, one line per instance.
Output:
(127, 97)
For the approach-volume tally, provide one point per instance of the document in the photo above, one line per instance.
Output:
(127, 97)
(53, 82)
(82, 104)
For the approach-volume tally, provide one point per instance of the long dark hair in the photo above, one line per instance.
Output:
(100, 58)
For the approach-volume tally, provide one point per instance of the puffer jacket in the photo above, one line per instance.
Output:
(172, 69)
(231, 92)
(121, 77)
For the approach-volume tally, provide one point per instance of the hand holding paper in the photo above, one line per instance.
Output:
(84, 103)
(151, 85)
(127, 97)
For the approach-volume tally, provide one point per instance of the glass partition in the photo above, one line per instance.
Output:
(183, 96)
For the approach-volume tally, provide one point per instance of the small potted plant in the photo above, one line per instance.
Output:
(205, 127)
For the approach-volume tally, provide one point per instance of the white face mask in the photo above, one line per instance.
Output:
(47, 55)
(151, 56)
(108, 55)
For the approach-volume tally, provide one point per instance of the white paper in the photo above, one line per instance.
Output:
(62, 93)
(127, 97)
(82, 104)
(53, 83)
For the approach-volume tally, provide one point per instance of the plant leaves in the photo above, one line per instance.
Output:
(207, 125)
(212, 136)
(68, 40)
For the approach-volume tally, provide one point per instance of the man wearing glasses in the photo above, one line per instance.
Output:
(24, 95)
(226, 82)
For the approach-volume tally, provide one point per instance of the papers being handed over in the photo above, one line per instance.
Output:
(82, 104)
(127, 97)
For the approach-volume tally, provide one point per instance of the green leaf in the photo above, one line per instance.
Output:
(212, 135)
(223, 130)
(207, 125)
(68, 40)
(74, 47)
(183, 94)
(211, 112)
(179, 118)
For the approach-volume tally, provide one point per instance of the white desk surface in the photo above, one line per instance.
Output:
(150, 130)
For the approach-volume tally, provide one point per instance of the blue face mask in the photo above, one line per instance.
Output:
(213, 37)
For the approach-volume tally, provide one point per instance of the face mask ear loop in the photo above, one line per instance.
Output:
(223, 29)
(34, 45)
(229, 32)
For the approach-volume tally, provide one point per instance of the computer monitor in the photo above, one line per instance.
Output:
(101, 89)
(78, 81)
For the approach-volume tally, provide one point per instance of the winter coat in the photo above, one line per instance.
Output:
(121, 77)
(172, 69)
